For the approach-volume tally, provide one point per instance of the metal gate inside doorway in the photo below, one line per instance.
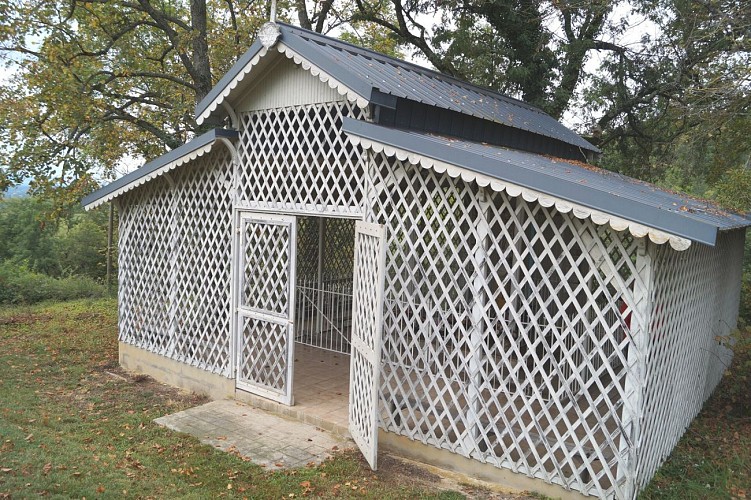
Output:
(325, 262)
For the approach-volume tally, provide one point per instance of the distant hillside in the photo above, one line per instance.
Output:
(17, 191)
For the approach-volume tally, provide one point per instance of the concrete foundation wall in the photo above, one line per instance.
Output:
(444, 459)
(174, 373)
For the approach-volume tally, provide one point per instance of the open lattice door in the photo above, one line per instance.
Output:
(367, 321)
(265, 311)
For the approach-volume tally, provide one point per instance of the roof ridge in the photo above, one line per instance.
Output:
(344, 45)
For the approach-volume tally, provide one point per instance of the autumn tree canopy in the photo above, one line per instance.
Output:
(100, 82)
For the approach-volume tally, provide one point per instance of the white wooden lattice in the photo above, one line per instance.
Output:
(693, 307)
(174, 264)
(367, 316)
(266, 267)
(505, 328)
(515, 335)
(536, 341)
(266, 259)
(297, 159)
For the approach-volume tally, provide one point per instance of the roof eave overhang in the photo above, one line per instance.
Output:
(642, 220)
(229, 81)
(169, 161)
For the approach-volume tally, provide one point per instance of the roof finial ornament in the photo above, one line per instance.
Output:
(269, 32)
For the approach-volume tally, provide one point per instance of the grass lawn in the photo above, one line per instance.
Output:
(68, 427)
(713, 459)
(71, 426)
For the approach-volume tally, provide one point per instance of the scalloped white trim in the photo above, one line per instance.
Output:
(156, 173)
(231, 86)
(600, 218)
(351, 95)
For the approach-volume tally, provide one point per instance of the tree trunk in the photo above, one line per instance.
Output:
(201, 63)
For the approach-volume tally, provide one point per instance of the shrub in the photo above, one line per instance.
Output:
(19, 285)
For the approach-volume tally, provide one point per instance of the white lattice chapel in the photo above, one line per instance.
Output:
(439, 250)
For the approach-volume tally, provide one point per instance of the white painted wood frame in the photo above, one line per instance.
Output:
(367, 325)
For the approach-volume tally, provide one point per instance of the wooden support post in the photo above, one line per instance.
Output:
(172, 266)
(636, 373)
(477, 334)
(110, 223)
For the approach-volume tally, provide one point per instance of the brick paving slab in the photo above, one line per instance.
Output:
(266, 439)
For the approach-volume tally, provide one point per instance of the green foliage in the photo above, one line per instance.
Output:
(104, 81)
(678, 105)
(19, 285)
(532, 50)
(372, 36)
(81, 247)
(42, 258)
(739, 375)
(97, 84)
(503, 45)
(734, 189)
(26, 238)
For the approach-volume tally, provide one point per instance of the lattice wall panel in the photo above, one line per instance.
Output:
(175, 264)
(266, 267)
(308, 234)
(694, 306)
(297, 159)
(336, 238)
(506, 328)
(146, 246)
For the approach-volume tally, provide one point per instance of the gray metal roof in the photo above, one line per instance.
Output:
(228, 77)
(612, 193)
(152, 166)
(373, 75)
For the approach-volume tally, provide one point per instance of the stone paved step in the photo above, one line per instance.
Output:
(269, 440)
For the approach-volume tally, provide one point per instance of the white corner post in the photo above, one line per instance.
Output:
(234, 192)
(636, 371)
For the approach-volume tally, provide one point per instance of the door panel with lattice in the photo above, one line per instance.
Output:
(367, 315)
(265, 310)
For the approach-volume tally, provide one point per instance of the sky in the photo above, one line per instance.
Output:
(5, 73)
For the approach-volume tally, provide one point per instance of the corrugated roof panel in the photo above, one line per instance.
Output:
(609, 192)
(402, 79)
(362, 71)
